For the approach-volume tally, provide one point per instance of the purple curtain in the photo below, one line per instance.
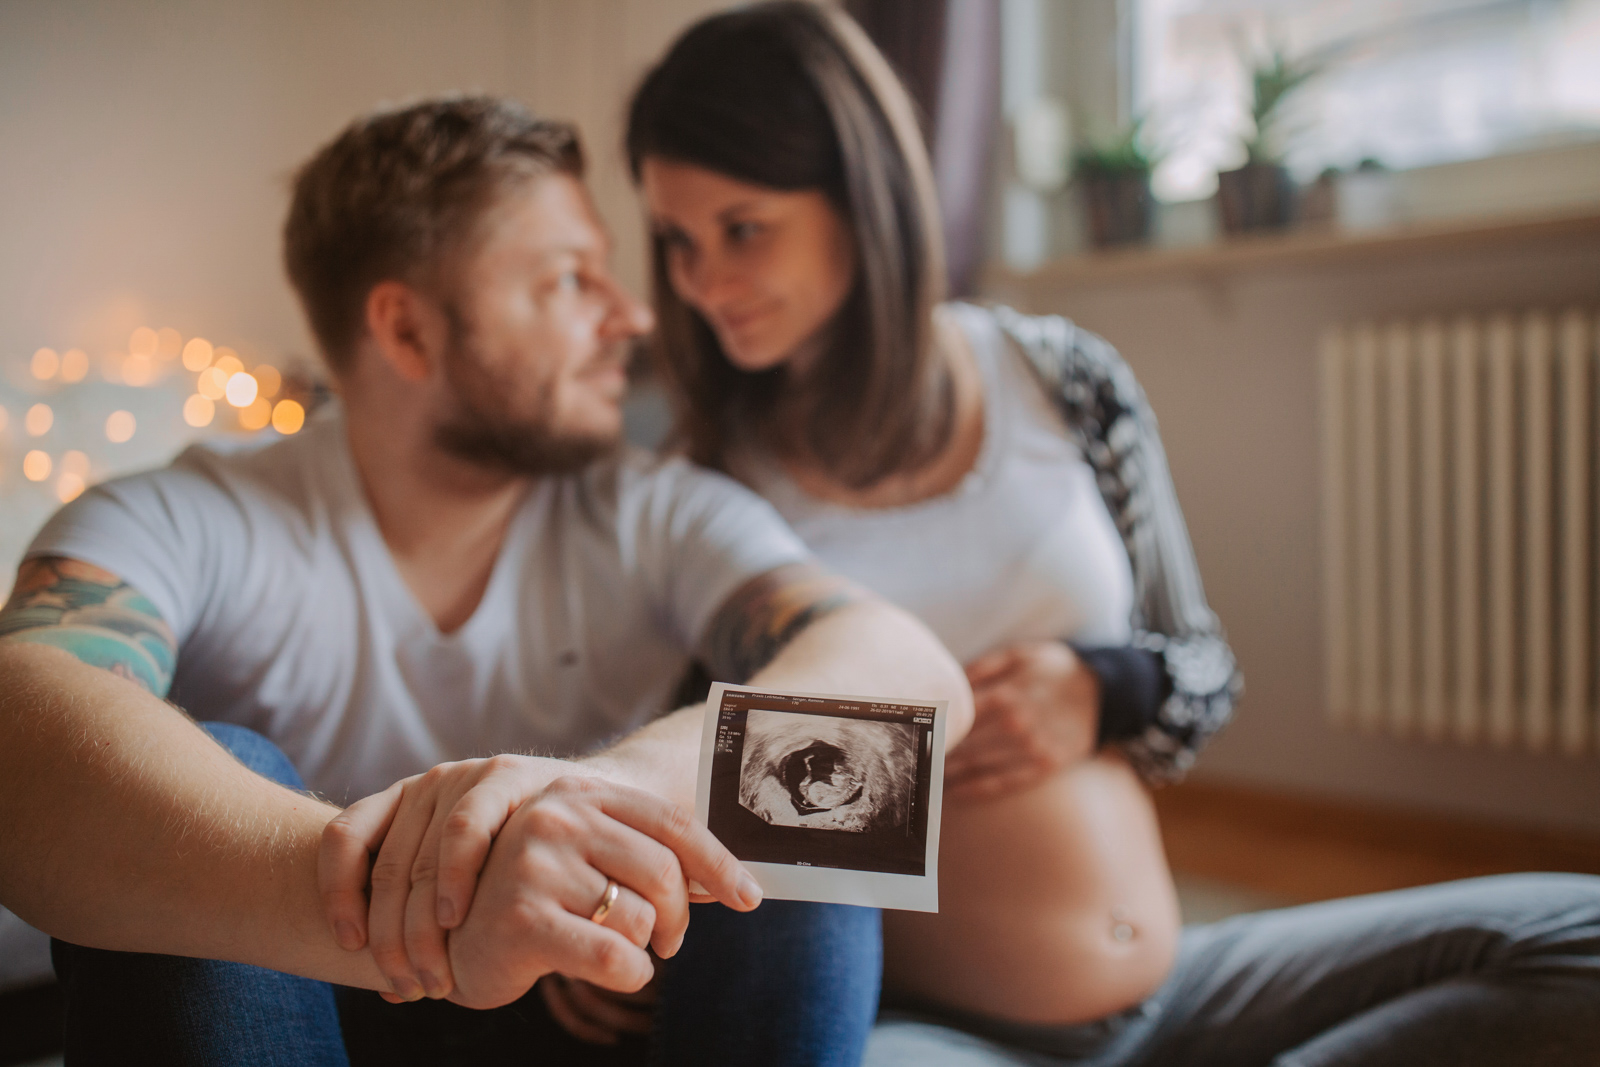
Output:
(948, 54)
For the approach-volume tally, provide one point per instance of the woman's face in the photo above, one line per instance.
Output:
(766, 268)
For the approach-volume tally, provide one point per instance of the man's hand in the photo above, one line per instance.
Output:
(1038, 710)
(431, 834)
(434, 830)
(597, 1015)
(547, 872)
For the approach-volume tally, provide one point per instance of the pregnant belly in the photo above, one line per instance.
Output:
(1055, 904)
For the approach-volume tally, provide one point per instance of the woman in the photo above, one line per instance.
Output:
(997, 474)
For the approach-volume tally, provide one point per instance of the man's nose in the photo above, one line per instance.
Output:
(630, 316)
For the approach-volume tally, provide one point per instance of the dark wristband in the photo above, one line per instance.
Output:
(1133, 686)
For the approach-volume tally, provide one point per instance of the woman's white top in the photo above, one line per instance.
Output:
(1022, 549)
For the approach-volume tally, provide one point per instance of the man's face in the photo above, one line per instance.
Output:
(536, 368)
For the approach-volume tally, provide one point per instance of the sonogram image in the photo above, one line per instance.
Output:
(828, 773)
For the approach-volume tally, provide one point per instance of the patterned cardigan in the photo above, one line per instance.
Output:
(1111, 422)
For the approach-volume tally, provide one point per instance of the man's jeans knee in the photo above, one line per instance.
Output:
(127, 1006)
(789, 984)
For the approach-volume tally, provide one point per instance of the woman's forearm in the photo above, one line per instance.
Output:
(129, 828)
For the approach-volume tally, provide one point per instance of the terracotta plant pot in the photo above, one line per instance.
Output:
(1257, 196)
(1118, 208)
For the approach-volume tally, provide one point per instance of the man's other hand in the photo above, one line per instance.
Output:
(597, 1015)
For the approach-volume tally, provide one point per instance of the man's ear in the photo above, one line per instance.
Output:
(408, 328)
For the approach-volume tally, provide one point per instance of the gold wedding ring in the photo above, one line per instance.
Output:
(608, 898)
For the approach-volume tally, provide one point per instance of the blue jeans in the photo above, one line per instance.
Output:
(789, 984)
(1490, 972)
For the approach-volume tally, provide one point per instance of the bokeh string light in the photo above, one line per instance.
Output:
(241, 390)
(258, 415)
(228, 362)
(74, 365)
(45, 364)
(138, 369)
(288, 416)
(197, 354)
(198, 411)
(39, 420)
(120, 427)
(36, 466)
(213, 383)
(143, 342)
(220, 374)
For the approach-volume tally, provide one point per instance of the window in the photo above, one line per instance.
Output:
(1406, 82)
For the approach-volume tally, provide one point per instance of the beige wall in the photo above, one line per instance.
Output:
(147, 145)
(1230, 367)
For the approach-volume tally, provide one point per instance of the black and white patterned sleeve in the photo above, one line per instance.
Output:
(1112, 423)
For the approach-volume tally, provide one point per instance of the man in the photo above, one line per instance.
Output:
(454, 560)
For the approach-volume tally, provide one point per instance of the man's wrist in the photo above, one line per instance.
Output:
(610, 766)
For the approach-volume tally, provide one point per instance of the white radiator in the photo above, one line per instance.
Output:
(1459, 536)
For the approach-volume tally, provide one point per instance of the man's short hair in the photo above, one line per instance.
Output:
(397, 196)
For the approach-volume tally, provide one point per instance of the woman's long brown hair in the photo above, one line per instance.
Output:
(792, 95)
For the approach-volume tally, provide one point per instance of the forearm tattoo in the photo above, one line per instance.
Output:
(768, 612)
(94, 615)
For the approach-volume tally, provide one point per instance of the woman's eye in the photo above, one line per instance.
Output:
(568, 281)
(740, 232)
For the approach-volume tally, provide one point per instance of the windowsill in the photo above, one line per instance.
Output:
(1318, 248)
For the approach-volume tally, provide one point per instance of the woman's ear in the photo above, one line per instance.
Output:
(409, 329)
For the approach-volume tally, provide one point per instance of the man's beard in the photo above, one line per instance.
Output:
(483, 431)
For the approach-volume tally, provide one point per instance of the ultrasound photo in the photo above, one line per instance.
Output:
(828, 773)
(829, 798)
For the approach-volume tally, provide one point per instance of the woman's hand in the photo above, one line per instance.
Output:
(597, 1015)
(1038, 710)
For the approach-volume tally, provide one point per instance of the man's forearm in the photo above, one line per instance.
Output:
(129, 828)
(867, 648)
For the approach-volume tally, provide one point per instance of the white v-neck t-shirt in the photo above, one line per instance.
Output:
(293, 620)
(1022, 549)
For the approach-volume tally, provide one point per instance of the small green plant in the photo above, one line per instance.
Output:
(1128, 153)
(1274, 78)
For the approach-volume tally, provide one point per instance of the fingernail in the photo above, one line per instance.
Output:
(431, 983)
(447, 912)
(750, 890)
(406, 989)
(345, 932)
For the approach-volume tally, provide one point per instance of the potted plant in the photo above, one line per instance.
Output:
(1115, 180)
(1260, 194)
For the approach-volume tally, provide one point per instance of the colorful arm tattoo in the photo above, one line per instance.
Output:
(94, 615)
(768, 612)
